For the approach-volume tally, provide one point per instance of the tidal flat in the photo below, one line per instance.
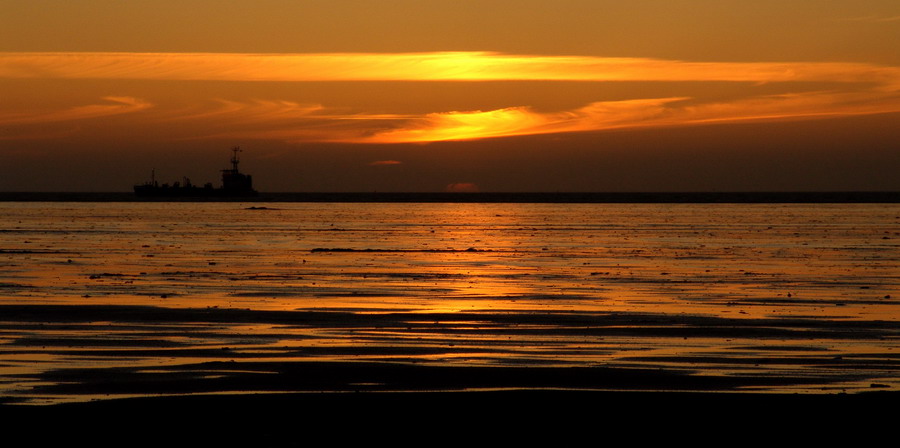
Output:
(100, 301)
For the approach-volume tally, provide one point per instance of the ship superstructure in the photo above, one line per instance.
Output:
(234, 183)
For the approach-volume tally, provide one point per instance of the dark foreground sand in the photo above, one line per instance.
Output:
(554, 418)
(307, 401)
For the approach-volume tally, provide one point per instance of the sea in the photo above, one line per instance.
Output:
(121, 299)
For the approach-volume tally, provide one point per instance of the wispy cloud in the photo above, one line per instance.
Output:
(627, 114)
(258, 111)
(113, 106)
(438, 66)
(597, 116)
(298, 123)
(517, 121)
(854, 89)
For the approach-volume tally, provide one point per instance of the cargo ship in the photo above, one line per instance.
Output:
(234, 184)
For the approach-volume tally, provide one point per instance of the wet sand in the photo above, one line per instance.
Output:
(190, 352)
(246, 366)
(295, 317)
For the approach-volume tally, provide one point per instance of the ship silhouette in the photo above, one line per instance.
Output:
(234, 184)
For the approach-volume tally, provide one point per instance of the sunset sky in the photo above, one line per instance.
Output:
(431, 95)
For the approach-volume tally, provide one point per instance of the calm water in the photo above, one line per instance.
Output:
(808, 293)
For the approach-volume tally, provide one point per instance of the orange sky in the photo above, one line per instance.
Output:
(420, 96)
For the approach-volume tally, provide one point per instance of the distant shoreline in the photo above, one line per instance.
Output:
(560, 198)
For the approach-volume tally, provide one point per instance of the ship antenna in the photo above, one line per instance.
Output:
(234, 158)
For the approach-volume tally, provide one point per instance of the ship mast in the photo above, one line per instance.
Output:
(234, 158)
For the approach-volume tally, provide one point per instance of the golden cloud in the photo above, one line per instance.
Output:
(855, 89)
(436, 66)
